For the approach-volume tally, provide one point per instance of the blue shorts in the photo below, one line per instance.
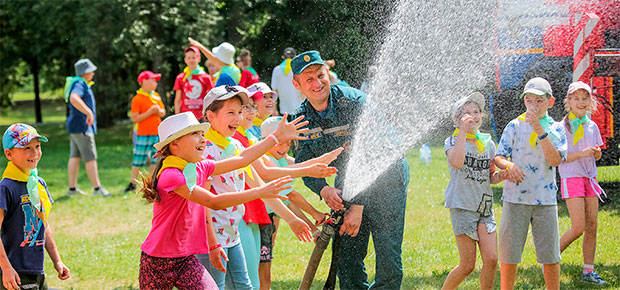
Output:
(143, 150)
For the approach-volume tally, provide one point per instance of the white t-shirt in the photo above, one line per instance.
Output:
(290, 98)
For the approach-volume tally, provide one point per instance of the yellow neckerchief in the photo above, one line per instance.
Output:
(153, 95)
(246, 134)
(576, 125)
(37, 194)
(480, 139)
(198, 70)
(188, 169)
(544, 122)
(286, 66)
(229, 149)
(257, 122)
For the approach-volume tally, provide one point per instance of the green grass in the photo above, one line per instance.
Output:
(29, 96)
(52, 111)
(99, 238)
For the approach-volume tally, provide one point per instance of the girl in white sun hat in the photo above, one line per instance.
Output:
(177, 190)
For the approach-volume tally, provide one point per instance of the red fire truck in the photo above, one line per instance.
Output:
(562, 41)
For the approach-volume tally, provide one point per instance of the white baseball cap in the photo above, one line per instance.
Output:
(225, 52)
(176, 126)
(537, 86)
(457, 107)
(224, 93)
(269, 126)
(263, 88)
(579, 86)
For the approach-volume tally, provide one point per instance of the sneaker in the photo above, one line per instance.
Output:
(130, 187)
(75, 191)
(593, 278)
(102, 191)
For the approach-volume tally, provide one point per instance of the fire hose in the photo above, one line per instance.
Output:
(330, 229)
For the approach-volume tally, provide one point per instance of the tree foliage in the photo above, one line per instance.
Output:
(124, 37)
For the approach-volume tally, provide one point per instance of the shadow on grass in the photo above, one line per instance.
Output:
(527, 278)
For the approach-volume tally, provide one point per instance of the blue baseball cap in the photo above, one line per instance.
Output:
(84, 66)
(304, 60)
(19, 135)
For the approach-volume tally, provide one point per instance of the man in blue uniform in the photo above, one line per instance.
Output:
(332, 112)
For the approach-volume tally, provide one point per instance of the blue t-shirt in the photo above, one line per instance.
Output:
(23, 232)
(76, 121)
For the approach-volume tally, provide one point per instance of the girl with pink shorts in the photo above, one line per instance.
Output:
(579, 186)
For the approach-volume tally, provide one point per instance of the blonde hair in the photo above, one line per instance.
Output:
(567, 107)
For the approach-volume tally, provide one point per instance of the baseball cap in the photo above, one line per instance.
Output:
(192, 48)
(224, 93)
(579, 86)
(302, 61)
(147, 74)
(19, 135)
(84, 66)
(263, 88)
(457, 107)
(537, 86)
(289, 52)
(269, 126)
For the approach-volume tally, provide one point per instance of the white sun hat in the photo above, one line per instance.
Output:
(225, 52)
(176, 126)
(269, 126)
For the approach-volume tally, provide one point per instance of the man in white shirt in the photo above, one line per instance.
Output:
(282, 83)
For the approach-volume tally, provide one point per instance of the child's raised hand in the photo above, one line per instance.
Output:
(290, 130)
(329, 157)
(194, 42)
(320, 170)
(467, 122)
(216, 257)
(301, 230)
(515, 174)
(273, 188)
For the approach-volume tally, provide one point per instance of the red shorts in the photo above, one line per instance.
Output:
(580, 187)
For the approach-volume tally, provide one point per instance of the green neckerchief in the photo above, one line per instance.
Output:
(69, 85)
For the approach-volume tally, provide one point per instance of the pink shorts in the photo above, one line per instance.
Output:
(580, 187)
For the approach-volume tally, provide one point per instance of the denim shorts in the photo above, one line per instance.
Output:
(466, 222)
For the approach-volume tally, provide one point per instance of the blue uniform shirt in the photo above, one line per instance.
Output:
(23, 232)
(329, 130)
(76, 121)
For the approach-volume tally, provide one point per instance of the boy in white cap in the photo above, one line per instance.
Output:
(82, 127)
(535, 144)
(223, 57)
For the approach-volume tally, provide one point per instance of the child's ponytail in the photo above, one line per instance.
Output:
(149, 184)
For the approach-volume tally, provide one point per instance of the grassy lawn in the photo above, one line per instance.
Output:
(52, 111)
(99, 238)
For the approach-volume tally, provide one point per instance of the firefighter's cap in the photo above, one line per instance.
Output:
(304, 60)
(537, 86)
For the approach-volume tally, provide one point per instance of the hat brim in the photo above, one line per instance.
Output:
(199, 127)
(300, 70)
(533, 91)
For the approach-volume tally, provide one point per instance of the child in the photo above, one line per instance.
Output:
(147, 110)
(468, 195)
(256, 215)
(535, 145)
(265, 102)
(249, 75)
(25, 204)
(579, 185)
(223, 106)
(191, 85)
(177, 189)
(275, 157)
(222, 58)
